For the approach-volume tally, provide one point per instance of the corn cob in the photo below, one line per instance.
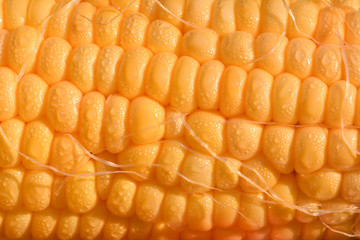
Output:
(187, 119)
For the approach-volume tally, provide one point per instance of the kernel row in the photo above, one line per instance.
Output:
(71, 207)
(67, 225)
(300, 56)
(95, 20)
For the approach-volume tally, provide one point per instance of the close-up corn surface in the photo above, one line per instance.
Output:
(180, 119)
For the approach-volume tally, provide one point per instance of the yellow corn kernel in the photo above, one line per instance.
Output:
(133, 30)
(247, 13)
(67, 225)
(17, 224)
(270, 50)
(331, 26)
(189, 234)
(138, 229)
(274, 16)
(63, 107)
(352, 56)
(349, 190)
(228, 234)
(146, 118)
(115, 227)
(37, 189)
(59, 24)
(258, 95)
(183, 85)
(164, 37)
(199, 172)
(106, 26)
(158, 77)
(352, 28)
(130, 80)
(243, 138)
(36, 144)
(10, 142)
(109, 58)
(174, 214)
(66, 154)
(15, 13)
(285, 232)
(208, 85)
(312, 101)
(122, 4)
(174, 127)
(116, 125)
(82, 66)
(299, 57)
(201, 44)
(277, 147)
(38, 11)
(53, 60)
(121, 200)
(340, 104)
(81, 30)
(261, 174)
(227, 173)
(285, 189)
(343, 228)
(198, 13)
(22, 49)
(347, 5)
(306, 18)
(92, 222)
(313, 230)
(58, 198)
(170, 157)
(91, 119)
(224, 204)
(209, 129)
(321, 185)
(310, 149)
(285, 98)
(149, 197)
(139, 159)
(149, 8)
(104, 182)
(162, 231)
(43, 224)
(32, 92)
(328, 64)
(231, 95)
(11, 179)
(238, 48)
(199, 212)
(253, 212)
(337, 204)
(175, 7)
(81, 194)
(342, 155)
(261, 234)
(306, 205)
(223, 17)
(4, 36)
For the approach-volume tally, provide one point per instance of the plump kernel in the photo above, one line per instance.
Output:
(207, 132)
(201, 44)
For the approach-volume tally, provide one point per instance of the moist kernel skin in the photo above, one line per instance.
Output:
(53, 60)
(186, 119)
(81, 31)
